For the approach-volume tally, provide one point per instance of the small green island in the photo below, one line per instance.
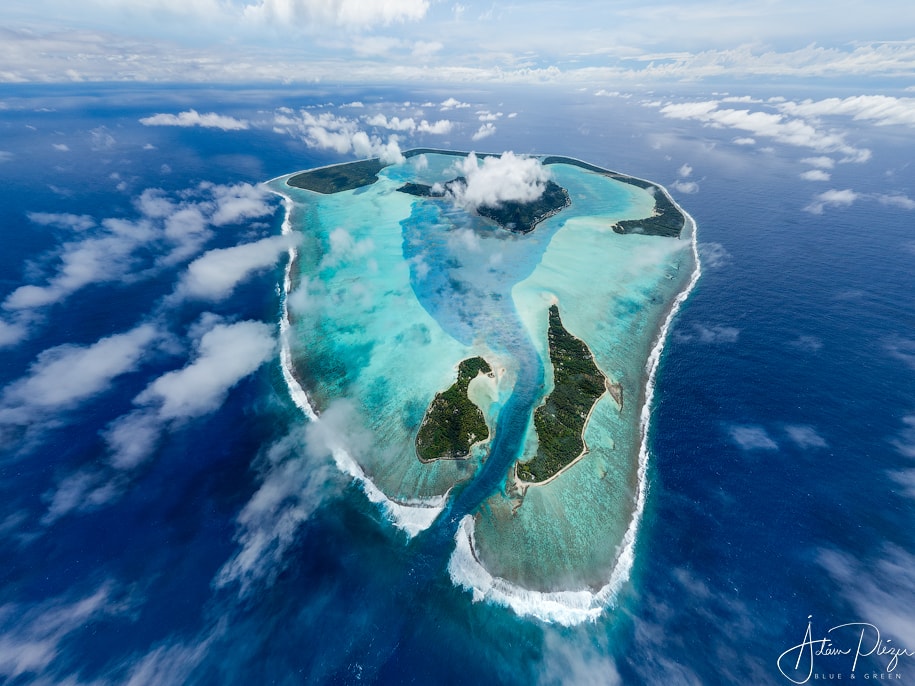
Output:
(339, 177)
(518, 217)
(560, 421)
(453, 423)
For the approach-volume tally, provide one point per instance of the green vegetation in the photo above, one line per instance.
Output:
(667, 220)
(560, 421)
(519, 217)
(339, 177)
(453, 423)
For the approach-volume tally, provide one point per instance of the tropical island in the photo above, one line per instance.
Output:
(453, 423)
(560, 421)
(518, 217)
(338, 177)
(395, 324)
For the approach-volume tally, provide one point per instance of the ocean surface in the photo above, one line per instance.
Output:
(169, 514)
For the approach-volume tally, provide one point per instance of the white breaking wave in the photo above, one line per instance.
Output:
(412, 517)
(574, 607)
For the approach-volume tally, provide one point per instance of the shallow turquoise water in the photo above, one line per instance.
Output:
(393, 291)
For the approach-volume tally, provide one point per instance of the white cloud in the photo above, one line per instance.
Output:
(806, 437)
(440, 127)
(291, 488)
(896, 200)
(752, 438)
(32, 636)
(485, 131)
(61, 147)
(452, 104)
(717, 333)
(131, 438)
(905, 441)
(815, 175)
(744, 140)
(342, 13)
(685, 186)
(226, 354)
(508, 178)
(486, 115)
(714, 255)
(114, 252)
(192, 117)
(66, 375)
(75, 222)
(881, 110)
(822, 162)
(685, 171)
(12, 333)
(832, 198)
(810, 344)
(82, 491)
(214, 275)
(777, 126)
(341, 134)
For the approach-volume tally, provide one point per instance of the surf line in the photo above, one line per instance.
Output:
(576, 606)
(411, 517)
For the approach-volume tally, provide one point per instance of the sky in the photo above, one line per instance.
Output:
(589, 41)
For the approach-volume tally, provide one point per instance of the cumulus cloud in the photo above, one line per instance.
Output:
(832, 198)
(752, 438)
(485, 131)
(12, 333)
(881, 110)
(343, 13)
(905, 441)
(774, 125)
(214, 275)
(880, 590)
(847, 197)
(494, 180)
(717, 333)
(64, 376)
(810, 344)
(62, 220)
(226, 354)
(32, 637)
(805, 437)
(327, 131)
(116, 249)
(714, 255)
(821, 162)
(685, 171)
(453, 104)
(439, 127)
(210, 120)
(815, 175)
(744, 140)
(685, 186)
(291, 487)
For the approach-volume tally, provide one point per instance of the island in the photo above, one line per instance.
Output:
(452, 424)
(518, 217)
(471, 360)
(338, 177)
(561, 420)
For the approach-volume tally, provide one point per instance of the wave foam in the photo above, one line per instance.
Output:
(411, 517)
(574, 607)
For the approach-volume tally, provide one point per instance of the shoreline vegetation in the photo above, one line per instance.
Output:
(453, 423)
(667, 219)
(517, 217)
(561, 420)
(336, 178)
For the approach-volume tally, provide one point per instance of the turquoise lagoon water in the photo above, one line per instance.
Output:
(389, 292)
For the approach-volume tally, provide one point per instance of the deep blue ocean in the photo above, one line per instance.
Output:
(166, 516)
